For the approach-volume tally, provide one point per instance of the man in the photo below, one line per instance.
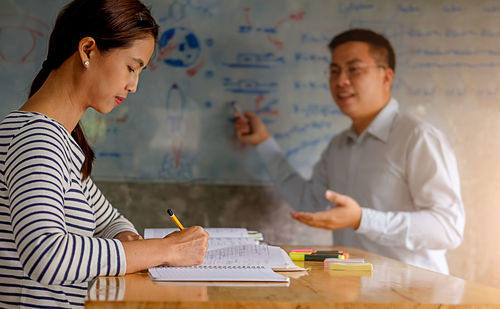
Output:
(395, 179)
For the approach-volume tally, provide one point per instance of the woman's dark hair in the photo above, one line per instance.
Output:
(380, 47)
(112, 24)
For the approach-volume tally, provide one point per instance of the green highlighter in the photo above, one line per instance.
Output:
(307, 256)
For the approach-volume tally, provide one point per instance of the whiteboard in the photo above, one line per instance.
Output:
(270, 58)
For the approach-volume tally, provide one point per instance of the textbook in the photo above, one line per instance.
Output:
(230, 257)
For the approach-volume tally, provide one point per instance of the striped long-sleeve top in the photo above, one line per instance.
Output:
(55, 229)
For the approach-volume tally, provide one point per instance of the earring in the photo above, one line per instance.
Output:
(86, 63)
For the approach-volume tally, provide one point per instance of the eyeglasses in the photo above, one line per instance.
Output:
(352, 71)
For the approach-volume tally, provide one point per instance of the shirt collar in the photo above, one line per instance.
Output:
(381, 125)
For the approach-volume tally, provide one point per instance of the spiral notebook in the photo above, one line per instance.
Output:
(229, 258)
(236, 263)
(229, 247)
(211, 273)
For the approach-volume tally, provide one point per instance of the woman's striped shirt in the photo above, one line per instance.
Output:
(55, 229)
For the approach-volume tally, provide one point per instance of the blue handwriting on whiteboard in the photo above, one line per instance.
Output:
(302, 57)
(313, 38)
(256, 60)
(311, 85)
(457, 64)
(355, 7)
(452, 33)
(456, 92)
(423, 33)
(316, 125)
(248, 86)
(267, 107)
(455, 52)
(248, 29)
(317, 110)
(177, 11)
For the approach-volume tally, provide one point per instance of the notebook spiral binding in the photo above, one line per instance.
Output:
(217, 267)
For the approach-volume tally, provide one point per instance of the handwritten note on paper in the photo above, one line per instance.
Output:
(219, 237)
(249, 255)
(225, 242)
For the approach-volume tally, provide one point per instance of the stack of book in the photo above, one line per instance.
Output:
(257, 236)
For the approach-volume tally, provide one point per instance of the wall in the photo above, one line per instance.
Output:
(269, 56)
(252, 207)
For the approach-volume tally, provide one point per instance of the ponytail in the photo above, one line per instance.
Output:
(79, 137)
(40, 78)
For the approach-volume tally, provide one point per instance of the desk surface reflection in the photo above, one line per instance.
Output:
(391, 284)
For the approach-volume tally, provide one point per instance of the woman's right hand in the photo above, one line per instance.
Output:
(186, 247)
(183, 248)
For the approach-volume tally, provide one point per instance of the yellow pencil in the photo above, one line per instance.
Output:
(177, 222)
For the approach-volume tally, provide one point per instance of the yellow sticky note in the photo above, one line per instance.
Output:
(351, 266)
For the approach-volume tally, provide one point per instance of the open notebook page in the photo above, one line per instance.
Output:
(225, 242)
(233, 247)
(223, 237)
(250, 256)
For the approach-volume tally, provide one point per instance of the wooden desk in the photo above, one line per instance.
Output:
(392, 284)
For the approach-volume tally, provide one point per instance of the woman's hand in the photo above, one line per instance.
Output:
(187, 247)
(183, 248)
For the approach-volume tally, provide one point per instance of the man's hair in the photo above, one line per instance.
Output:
(380, 47)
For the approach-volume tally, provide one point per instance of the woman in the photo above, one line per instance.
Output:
(57, 231)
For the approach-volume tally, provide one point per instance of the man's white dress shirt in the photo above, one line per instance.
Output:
(402, 172)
